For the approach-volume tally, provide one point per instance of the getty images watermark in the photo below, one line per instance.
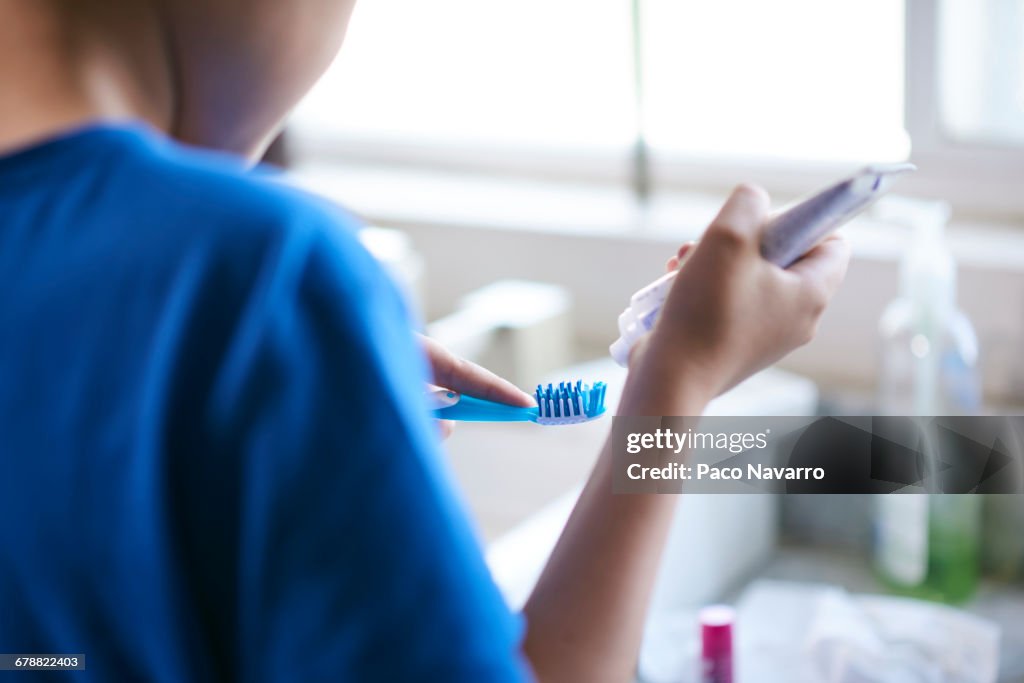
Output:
(976, 454)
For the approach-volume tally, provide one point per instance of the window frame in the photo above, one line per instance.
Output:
(995, 172)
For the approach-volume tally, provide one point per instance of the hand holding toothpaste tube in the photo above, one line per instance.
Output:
(794, 239)
(730, 312)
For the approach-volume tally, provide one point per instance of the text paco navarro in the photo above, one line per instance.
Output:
(677, 471)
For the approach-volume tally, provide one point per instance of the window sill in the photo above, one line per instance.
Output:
(401, 197)
(397, 197)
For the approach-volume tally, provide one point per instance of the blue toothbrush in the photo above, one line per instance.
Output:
(564, 404)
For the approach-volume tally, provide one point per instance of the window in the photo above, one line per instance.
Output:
(982, 70)
(780, 92)
(541, 73)
(794, 79)
(962, 74)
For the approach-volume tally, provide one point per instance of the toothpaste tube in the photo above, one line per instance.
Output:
(788, 236)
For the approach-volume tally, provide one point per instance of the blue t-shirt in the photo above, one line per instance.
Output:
(215, 461)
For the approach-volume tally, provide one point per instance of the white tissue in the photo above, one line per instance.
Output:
(874, 639)
(796, 632)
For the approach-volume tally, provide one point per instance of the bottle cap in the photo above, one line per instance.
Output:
(716, 631)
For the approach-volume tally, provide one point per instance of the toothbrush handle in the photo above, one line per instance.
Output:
(470, 409)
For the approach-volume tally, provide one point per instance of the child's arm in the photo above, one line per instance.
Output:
(730, 313)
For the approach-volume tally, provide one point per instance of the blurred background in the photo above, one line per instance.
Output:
(528, 165)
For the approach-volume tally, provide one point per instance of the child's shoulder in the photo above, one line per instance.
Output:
(219, 192)
(198, 199)
(174, 207)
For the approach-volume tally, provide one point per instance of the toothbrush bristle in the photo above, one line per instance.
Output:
(569, 403)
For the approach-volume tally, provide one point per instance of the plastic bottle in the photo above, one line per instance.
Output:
(927, 545)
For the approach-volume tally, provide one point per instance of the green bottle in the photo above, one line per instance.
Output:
(927, 545)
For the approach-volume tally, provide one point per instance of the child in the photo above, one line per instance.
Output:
(216, 461)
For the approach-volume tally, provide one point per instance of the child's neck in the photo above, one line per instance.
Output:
(56, 75)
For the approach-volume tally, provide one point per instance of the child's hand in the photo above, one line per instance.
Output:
(465, 377)
(731, 313)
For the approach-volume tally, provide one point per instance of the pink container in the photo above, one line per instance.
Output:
(716, 643)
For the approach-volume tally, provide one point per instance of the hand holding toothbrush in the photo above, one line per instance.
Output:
(458, 374)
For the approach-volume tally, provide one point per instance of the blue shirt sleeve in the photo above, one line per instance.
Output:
(356, 562)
